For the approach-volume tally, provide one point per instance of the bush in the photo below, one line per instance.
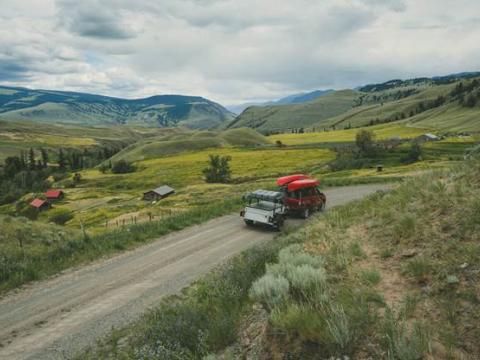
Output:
(271, 291)
(60, 216)
(365, 140)
(122, 167)
(219, 169)
(414, 154)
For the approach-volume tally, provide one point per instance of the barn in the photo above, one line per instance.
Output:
(54, 194)
(40, 204)
(158, 193)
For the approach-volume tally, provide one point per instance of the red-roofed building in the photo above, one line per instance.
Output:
(40, 204)
(54, 194)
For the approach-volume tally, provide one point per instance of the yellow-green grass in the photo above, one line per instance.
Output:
(382, 132)
(106, 197)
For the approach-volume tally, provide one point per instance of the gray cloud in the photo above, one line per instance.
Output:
(94, 18)
(230, 50)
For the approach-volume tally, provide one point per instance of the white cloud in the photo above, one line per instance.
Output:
(232, 50)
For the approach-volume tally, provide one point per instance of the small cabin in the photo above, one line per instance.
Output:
(40, 205)
(427, 137)
(158, 193)
(54, 195)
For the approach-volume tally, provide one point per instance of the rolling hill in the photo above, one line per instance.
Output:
(449, 103)
(88, 109)
(284, 117)
(189, 141)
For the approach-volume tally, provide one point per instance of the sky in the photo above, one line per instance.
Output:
(232, 51)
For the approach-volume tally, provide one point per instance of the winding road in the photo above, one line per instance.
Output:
(55, 318)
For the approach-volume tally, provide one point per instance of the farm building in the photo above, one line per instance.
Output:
(158, 193)
(40, 204)
(54, 194)
(427, 137)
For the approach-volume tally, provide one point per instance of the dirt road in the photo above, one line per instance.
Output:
(55, 318)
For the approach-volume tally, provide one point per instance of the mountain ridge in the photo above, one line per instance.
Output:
(53, 106)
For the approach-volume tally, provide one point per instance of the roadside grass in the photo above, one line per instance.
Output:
(33, 251)
(419, 288)
(307, 281)
(203, 319)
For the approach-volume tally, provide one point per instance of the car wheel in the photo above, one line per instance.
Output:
(249, 222)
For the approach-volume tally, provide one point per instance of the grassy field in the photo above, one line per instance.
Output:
(109, 197)
(394, 276)
(382, 132)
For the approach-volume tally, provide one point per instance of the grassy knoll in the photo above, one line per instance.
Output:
(394, 276)
(16, 136)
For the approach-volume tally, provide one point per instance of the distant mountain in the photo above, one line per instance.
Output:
(80, 108)
(291, 99)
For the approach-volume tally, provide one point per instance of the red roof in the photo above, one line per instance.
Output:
(288, 179)
(301, 184)
(53, 194)
(38, 203)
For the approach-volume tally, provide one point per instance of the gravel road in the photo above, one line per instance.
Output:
(56, 318)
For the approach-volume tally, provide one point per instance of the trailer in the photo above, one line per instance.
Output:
(264, 207)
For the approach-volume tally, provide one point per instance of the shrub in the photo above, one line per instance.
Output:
(219, 169)
(370, 276)
(60, 216)
(269, 290)
(365, 141)
(122, 167)
(418, 268)
(402, 344)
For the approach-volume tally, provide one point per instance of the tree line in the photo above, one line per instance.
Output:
(29, 171)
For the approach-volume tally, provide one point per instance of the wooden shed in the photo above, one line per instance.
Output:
(158, 193)
(40, 204)
(54, 194)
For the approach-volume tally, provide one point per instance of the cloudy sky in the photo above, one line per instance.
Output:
(232, 51)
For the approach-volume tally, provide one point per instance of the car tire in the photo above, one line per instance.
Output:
(249, 222)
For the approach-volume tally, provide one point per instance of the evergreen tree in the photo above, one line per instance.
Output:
(61, 160)
(44, 157)
(31, 159)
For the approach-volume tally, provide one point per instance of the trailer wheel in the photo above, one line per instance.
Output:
(306, 213)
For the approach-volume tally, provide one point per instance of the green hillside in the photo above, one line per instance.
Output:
(17, 136)
(87, 109)
(187, 141)
(443, 104)
(282, 117)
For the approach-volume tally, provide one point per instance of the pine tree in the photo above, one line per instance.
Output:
(61, 160)
(44, 157)
(31, 159)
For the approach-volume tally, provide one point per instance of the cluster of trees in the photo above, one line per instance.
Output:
(468, 95)
(218, 170)
(367, 151)
(22, 174)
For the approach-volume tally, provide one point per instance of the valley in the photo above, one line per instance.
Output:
(375, 137)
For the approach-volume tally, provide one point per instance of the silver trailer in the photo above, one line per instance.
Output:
(264, 207)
